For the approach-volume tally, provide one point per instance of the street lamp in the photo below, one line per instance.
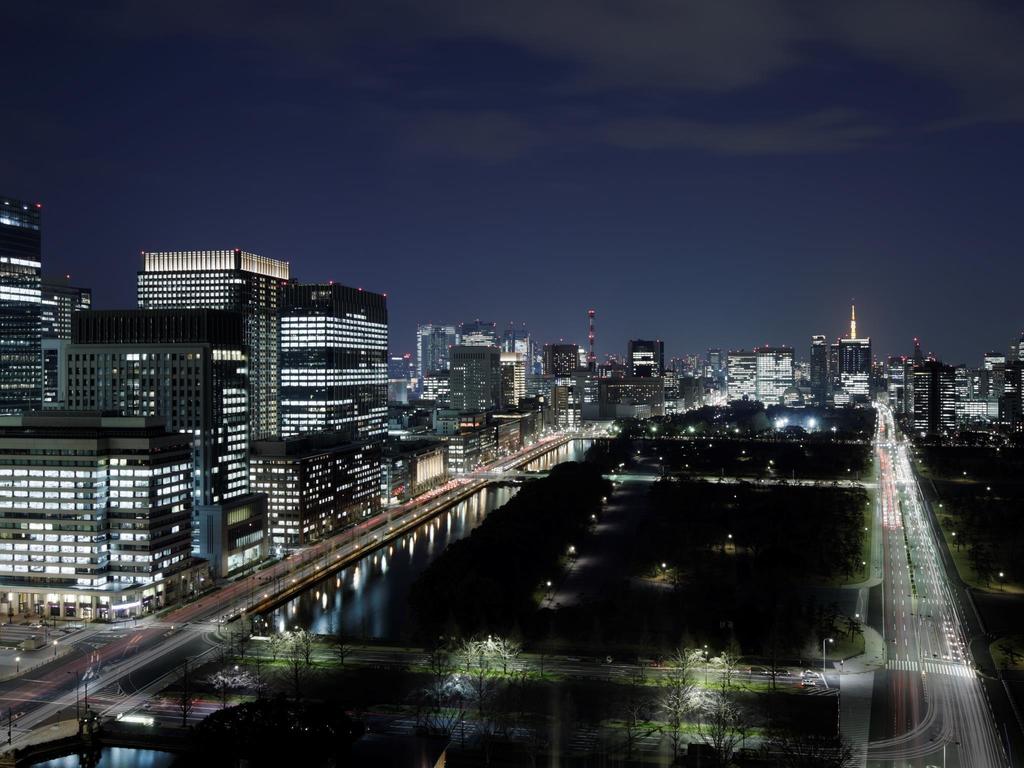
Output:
(55, 649)
(17, 664)
(705, 664)
(828, 640)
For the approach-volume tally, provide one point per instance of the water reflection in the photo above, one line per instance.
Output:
(116, 757)
(370, 597)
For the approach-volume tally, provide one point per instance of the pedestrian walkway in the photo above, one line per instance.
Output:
(948, 668)
(903, 665)
(855, 713)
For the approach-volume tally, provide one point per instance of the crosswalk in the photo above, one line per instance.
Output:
(930, 667)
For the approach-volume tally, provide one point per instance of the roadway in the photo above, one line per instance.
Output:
(935, 710)
(141, 657)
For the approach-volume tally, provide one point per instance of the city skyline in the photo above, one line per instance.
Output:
(688, 198)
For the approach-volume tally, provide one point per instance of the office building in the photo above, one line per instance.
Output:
(60, 300)
(715, 364)
(334, 361)
(513, 379)
(632, 397)
(435, 387)
(819, 379)
(896, 384)
(741, 372)
(478, 333)
(433, 343)
(774, 373)
(315, 485)
(95, 516)
(413, 467)
(475, 378)
(188, 366)
(934, 403)
(232, 280)
(645, 358)
(561, 360)
(20, 306)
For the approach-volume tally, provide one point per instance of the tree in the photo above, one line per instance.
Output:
(721, 725)
(679, 699)
(794, 749)
(506, 650)
(341, 645)
(444, 695)
(186, 699)
(275, 644)
(299, 658)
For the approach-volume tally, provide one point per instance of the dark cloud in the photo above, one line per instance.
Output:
(832, 130)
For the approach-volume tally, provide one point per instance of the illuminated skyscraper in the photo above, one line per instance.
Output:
(433, 343)
(774, 373)
(741, 371)
(478, 333)
(20, 307)
(334, 375)
(513, 379)
(233, 280)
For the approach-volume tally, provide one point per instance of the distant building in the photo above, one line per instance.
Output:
(646, 358)
(475, 379)
(819, 370)
(233, 280)
(113, 540)
(560, 360)
(20, 306)
(435, 387)
(853, 366)
(479, 333)
(60, 300)
(432, 345)
(315, 485)
(934, 393)
(513, 379)
(774, 373)
(742, 375)
(897, 370)
(414, 467)
(636, 397)
(333, 361)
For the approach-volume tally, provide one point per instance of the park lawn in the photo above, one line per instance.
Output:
(1008, 652)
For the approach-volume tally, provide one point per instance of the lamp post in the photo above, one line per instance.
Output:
(17, 665)
(705, 664)
(828, 640)
(55, 649)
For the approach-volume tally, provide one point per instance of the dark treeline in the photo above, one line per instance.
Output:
(816, 456)
(982, 492)
(489, 582)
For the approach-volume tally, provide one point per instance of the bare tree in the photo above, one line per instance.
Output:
(341, 644)
(679, 700)
(721, 724)
(445, 698)
(506, 650)
(792, 749)
(186, 700)
(275, 644)
(299, 658)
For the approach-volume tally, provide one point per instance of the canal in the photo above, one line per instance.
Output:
(369, 598)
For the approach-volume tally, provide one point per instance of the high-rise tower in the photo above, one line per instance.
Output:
(234, 280)
(853, 321)
(20, 306)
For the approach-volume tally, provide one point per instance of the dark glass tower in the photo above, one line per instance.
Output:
(20, 295)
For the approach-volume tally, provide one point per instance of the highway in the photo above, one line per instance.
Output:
(141, 657)
(935, 706)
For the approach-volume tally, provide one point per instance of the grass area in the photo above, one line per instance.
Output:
(1008, 652)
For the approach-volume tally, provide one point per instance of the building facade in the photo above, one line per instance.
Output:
(479, 333)
(315, 485)
(233, 280)
(645, 358)
(433, 343)
(21, 264)
(475, 378)
(333, 362)
(741, 374)
(774, 373)
(96, 514)
(819, 378)
(934, 399)
(513, 379)
(188, 366)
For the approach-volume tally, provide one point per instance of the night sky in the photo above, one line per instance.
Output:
(713, 174)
